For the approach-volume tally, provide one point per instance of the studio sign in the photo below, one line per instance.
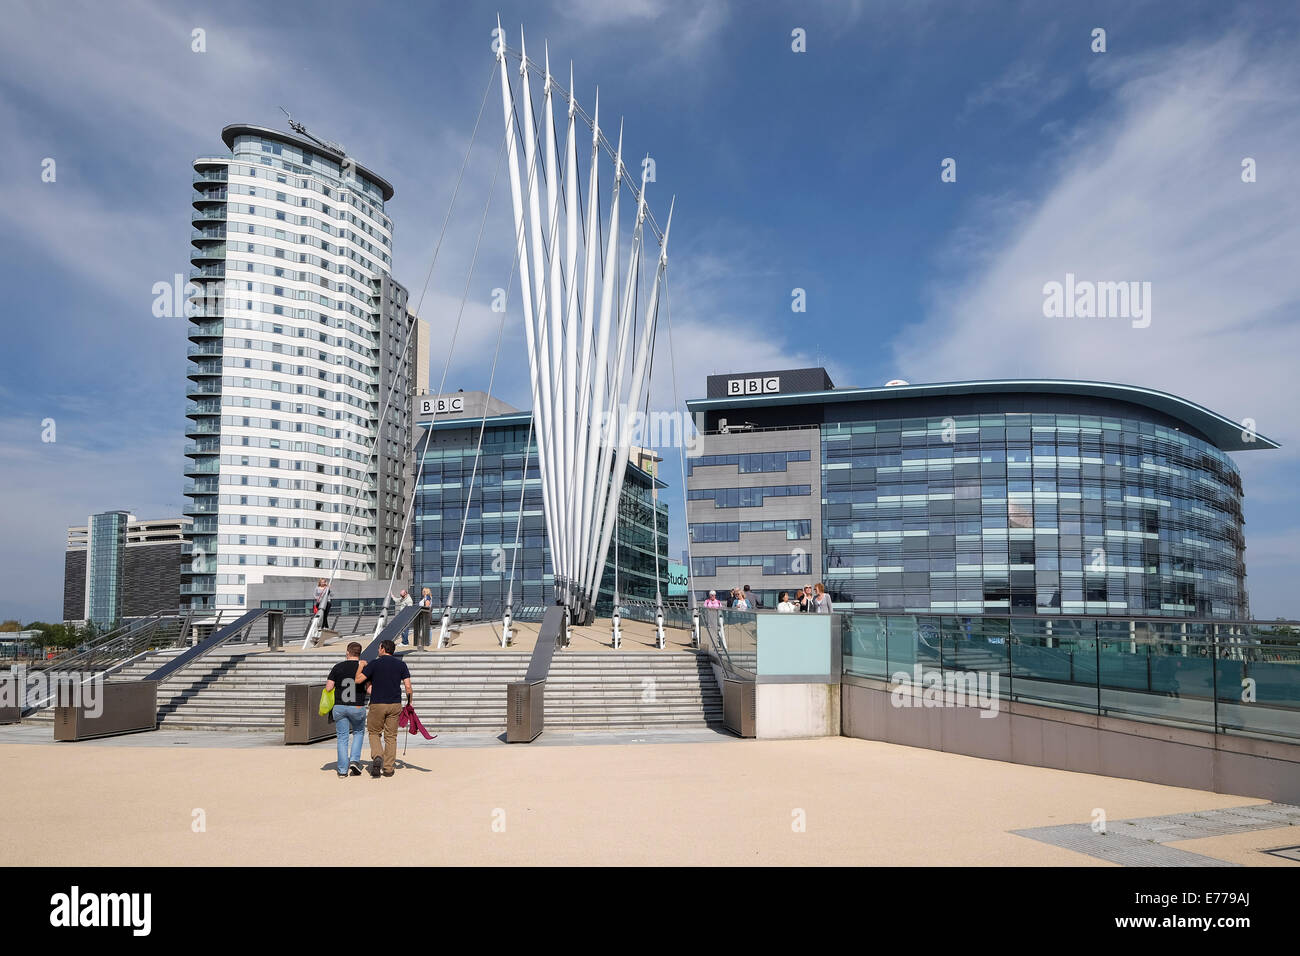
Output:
(754, 386)
(439, 405)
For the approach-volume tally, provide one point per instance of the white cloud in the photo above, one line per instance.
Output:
(1151, 190)
(1153, 193)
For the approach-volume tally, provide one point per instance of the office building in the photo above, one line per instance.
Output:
(486, 500)
(117, 567)
(1015, 496)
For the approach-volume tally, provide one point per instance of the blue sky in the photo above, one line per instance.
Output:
(817, 170)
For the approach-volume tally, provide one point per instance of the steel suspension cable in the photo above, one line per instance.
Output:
(406, 344)
(672, 353)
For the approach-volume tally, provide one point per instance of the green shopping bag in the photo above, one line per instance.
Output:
(326, 702)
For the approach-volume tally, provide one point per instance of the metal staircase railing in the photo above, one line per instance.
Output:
(240, 625)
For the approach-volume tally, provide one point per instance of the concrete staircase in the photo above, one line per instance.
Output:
(242, 688)
(631, 690)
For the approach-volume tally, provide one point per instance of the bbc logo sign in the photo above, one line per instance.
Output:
(441, 405)
(754, 386)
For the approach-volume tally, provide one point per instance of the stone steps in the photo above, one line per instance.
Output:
(242, 688)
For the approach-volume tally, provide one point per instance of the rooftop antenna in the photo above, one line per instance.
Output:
(301, 129)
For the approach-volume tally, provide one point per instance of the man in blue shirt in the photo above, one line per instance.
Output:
(387, 676)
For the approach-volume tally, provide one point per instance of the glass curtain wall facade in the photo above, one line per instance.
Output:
(490, 512)
(1009, 497)
(1031, 513)
(104, 560)
(295, 328)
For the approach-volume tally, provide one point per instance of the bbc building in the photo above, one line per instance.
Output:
(477, 467)
(1000, 497)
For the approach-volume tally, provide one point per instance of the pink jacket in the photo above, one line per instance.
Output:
(408, 719)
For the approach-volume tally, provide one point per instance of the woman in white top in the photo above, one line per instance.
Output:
(785, 607)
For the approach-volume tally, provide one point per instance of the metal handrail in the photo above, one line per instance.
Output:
(125, 635)
(717, 650)
(214, 640)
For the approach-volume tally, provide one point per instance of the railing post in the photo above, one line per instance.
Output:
(1096, 647)
(446, 626)
(1214, 672)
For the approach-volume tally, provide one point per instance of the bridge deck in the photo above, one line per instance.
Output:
(637, 636)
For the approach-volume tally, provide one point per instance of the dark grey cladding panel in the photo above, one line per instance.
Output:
(74, 585)
(787, 380)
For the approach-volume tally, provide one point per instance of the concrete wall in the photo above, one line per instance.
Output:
(797, 710)
(286, 588)
(1082, 742)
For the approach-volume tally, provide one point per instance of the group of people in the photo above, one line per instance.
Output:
(368, 695)
(321, 603)
(403, 600)
(811, 600)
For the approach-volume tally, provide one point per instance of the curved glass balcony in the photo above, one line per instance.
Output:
(206, 329)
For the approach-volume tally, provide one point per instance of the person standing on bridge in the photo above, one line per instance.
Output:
(823, 605)
(322, 598)
(349, 712)
(388, 676)
(402, 603)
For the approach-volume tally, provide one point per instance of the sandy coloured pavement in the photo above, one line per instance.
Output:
(721, 802)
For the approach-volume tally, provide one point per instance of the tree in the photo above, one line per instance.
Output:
(53, 635)
(11, 626)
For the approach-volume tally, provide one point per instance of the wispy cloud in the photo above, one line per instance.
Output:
(1151, 190)
(1023, 91)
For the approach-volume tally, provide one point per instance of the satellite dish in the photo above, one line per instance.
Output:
(896, 381)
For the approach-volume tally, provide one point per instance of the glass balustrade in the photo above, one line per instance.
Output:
(1229, 677)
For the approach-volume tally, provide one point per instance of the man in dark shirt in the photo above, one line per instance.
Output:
(349, 709)
(387, 676)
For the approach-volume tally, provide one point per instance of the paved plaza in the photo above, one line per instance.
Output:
(615, 798)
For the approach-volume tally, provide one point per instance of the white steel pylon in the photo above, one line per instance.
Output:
(588, 351)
